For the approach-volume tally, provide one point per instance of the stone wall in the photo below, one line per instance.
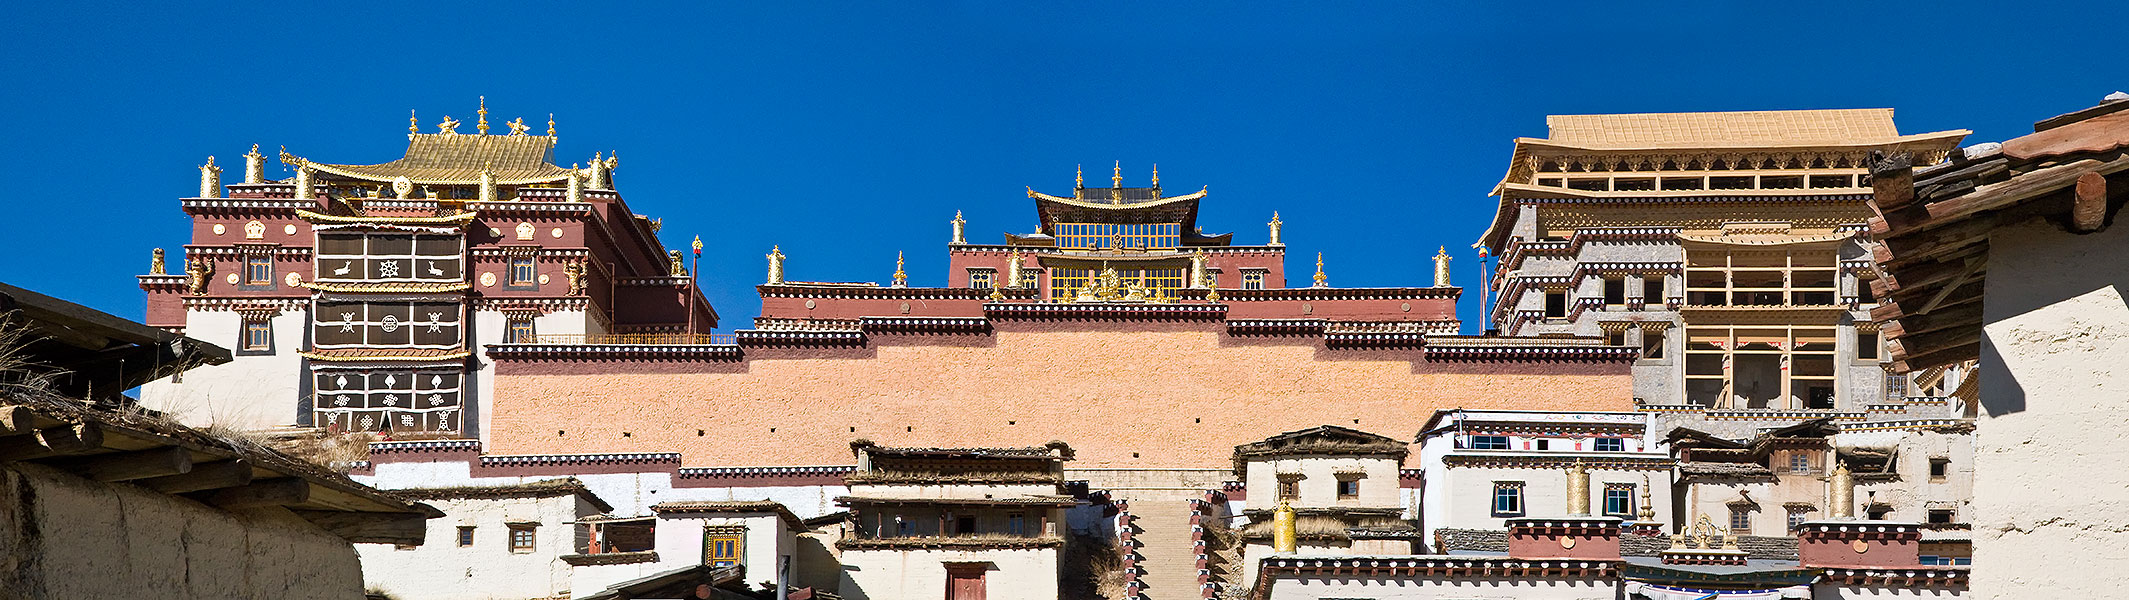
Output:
(63, 537)
(1143, 394)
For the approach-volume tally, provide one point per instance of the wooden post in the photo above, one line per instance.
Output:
(2089, 213)
(128, 466)
(210, 476)
(371, 528)
(52, 441)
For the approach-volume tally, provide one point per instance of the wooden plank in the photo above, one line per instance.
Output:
(17, 420)
(128, 466)
(1892, 182)
(209, 476)
(2088, 213)
(1924, 274)
(371, 528)
(1940, 357)
(271, 492)
(1906, 349)
(1965, 314)
(2019, 188)
(52, 441)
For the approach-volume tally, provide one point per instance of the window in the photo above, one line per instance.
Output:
(965, 525)
(258, 270)
(1740, 520)
(1289, 486)
(1939, 468)
(1878, 512)
(1252, 280)
(1797, 517)
(522, 272)
(1614, 291)
(258, 335)
(1030, 278)
(1864, 293)
(1508, 498)
(1544, 444)
(520, 332)
(1866, 345)
(981, 279)
(1946, 561)
(1615, 336)
(1619, 500)
(1555, 304)
(1652, 290)
(1016, 524)
(1489, 442)
(1652, 344)
(521, 537)
(1800, 463)
(1611, 445)
(1940, 516)
(1348, 488)
(721, 545)
(465, 536)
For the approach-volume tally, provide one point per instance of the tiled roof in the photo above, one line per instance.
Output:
(446, 158)
(537, 489)
(730, 506)
(1726, 129)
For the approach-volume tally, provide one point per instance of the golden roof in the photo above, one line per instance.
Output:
(457, 159)
(1838, 127)
(459, 218)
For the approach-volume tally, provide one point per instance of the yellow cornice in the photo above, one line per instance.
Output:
(461, 218)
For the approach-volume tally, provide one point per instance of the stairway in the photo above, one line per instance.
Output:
(1168, 556)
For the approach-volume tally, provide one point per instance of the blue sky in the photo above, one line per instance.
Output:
(847, 132)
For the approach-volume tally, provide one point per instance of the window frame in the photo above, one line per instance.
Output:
(262, 327)
(465, 536)
(1473, 443)
(531, 267)
(1740, 520)
(982, 279)
(1289, 489)
(258, 272)
(524, 538)
(520, 330)
(1556, 304)
(1510, 492)
(734, 536)
(1869, 345)
(1348, 482)
(1597, 444)
(1255, 279)
(1614, 292)
(1940, 468)
(1625, 497)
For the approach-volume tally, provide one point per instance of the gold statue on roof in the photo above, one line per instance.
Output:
(155, 267)
(517, 126)
(679, 266)
(449, 126)
(574, 270)
(901, 278)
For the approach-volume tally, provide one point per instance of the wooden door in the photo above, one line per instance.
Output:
(964, 582)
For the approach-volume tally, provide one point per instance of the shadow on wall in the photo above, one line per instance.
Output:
(2075, 280)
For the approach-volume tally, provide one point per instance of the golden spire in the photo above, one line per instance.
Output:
(1156, 175)
(483, 125)
(550, 124)
(1118, 177)
(901, 278)
(1648, 509)
(1319, 271)
(413, 124)
(1079, 177)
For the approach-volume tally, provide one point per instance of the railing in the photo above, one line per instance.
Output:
(641, 339)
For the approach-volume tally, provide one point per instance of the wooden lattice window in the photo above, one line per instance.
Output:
(722, 544)
(523, 537)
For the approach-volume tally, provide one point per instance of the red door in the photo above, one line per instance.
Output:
(964, 582)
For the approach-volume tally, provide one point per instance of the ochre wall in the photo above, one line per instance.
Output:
(1177, 394)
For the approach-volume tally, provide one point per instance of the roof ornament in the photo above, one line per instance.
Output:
(487, 182)
(1013, 263)
(448, 127)
(413, 125)
(402, 188)
(1578, 489)
(1843, 491)
(1116, 188)
(1275, 225)
(254, 166)
(1648, 509)
(597, 178)
(483, 126)
(1197, 270)
(210, 179)
(901, 278)
(303, 185)
(1156, 176)
(575, 192)
(1441, 267)
(960, 228)
(1319, 271)
(517, 127)
(1079, 177)
(679, 267)
(776, 265)
(550, 124)
(155, 265)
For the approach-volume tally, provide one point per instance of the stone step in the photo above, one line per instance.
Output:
(1168, 562)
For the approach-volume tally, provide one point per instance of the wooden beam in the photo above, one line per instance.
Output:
(1908, 348)
(2088, 213)
(1892, 182)
(1964, 314)
(210, 476)
(271, 492)
(52, 441)
(1973, 267)
(128, 466)
(371, 528)
(1924, 274)
(1939, 357)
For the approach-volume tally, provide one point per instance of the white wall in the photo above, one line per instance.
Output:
(2054, 404)
(1319, 480)
(249, 392)
(1017, 574)
(440, 569)
(767, 541)
(631, 494)
(1314, 587)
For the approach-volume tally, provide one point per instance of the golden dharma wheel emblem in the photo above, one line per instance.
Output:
(401, 186)
(487, 280)
(1567, 543)
(556, 232)
(543, 279)
(289, 229)
(220, 229)
(1860, 546)
(294, 279)
(232, 279)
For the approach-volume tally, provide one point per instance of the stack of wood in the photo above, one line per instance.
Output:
(1933, 223)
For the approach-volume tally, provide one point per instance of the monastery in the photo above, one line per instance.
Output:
(1681, 314)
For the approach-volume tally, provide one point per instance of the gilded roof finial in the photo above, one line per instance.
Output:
(550, 124)
(1319, 271)
(901, 278)
(1156, 175)
(413, 124)
(1118, 177)
(483, 125)
(1079, 176)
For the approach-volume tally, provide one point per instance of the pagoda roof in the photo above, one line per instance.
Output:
(1117, 205)
(457, 159)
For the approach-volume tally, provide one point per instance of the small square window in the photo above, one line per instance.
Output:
(520, 332)
(1800, 463)
(522, 272)
(1939, 468)
(1740, 520)
(1797, 517)
(1866, 345)
(721, 546)
(1289, 488)
(1252, 280)
(981, 279)
(1544, 444)
(465, 536)
(1614, 291)
(1348, 488)
(1619, 500)
(1652, 343)
(1489, 442)
(522, 538)
(1507, 498)
(1610, 445)
(1556, 304)
(1030, 278)
(258, 336)
(258, 270)
(1016, 524)
(1652, 290)
(1938, 516)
